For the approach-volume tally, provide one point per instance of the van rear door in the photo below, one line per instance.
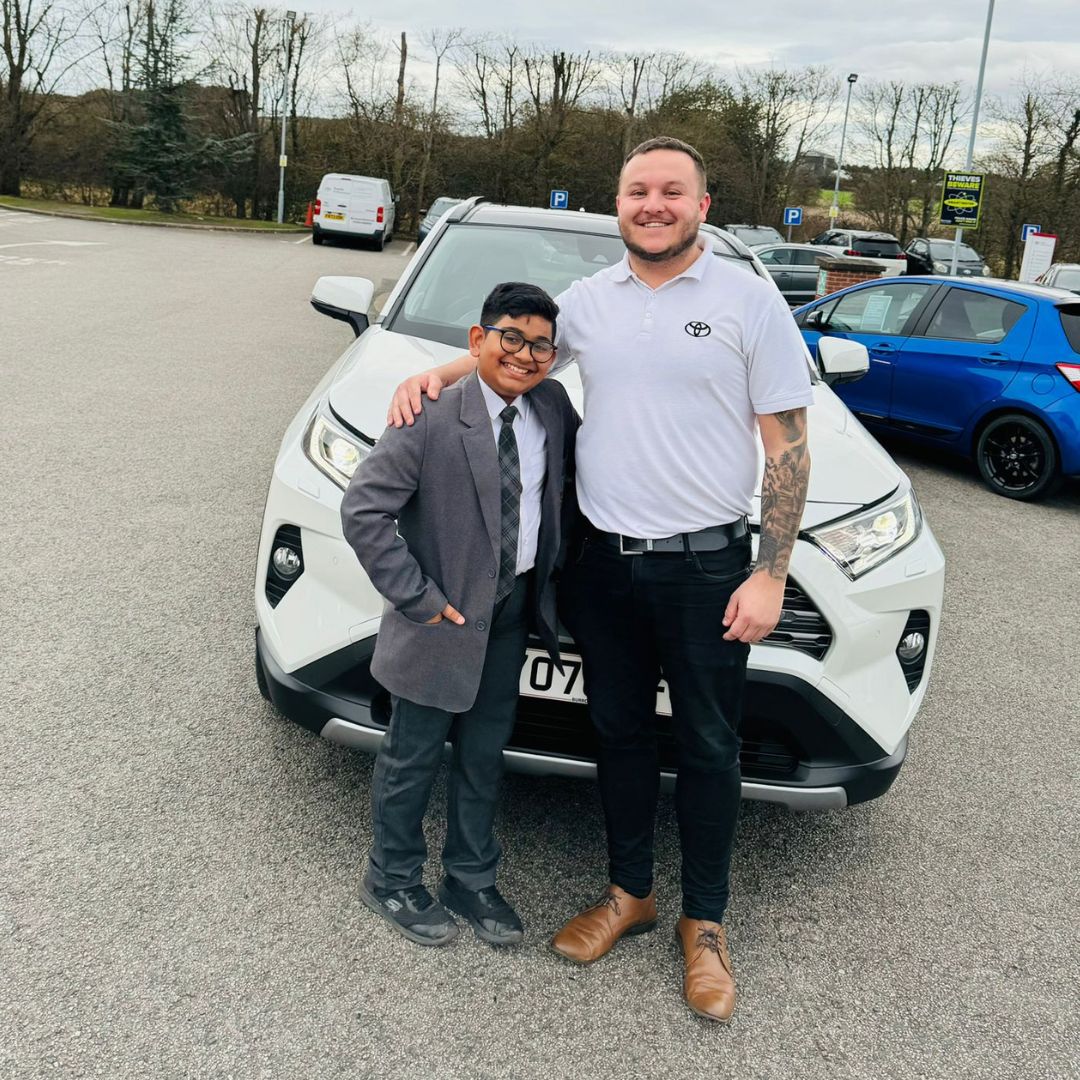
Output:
(334, 196)
(363, 204)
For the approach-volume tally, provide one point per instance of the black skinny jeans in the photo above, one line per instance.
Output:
(633, 618)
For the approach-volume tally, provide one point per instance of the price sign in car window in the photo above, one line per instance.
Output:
(875, 313)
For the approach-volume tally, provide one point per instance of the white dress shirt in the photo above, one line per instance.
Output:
(532, 456)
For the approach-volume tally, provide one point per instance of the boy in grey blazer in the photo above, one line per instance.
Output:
(458, 522)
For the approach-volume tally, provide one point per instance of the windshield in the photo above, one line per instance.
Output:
(468, 261)
(879, 249)
(942, 249)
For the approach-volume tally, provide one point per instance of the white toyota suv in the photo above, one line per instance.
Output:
(831, 692)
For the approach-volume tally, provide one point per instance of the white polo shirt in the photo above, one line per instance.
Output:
(674, 380)
(532, 462)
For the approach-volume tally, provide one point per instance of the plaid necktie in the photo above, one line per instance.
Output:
(510, 488)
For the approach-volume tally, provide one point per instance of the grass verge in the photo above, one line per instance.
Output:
(118, 213)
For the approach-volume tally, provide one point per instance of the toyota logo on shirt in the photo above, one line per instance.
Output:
(698, 329)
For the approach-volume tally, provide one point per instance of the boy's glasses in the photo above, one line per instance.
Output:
(543, 352)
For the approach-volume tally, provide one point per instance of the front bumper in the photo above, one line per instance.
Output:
(799, 749)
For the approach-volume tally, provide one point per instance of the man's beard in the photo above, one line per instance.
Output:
(667, 254)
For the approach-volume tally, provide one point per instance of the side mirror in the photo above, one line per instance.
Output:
(424, 211)
(842, 360)
(344, 298)
(815, 320)
(397, 198)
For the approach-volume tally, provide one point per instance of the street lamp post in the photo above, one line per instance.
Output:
(834, 210)
(283, 160)
(974, 126)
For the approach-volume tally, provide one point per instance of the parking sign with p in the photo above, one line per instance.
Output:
(792, 215)
(560, 200)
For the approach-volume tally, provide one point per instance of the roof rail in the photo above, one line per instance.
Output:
(458, 213)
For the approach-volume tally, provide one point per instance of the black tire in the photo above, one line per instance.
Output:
(380, 243)
(1017, 458)
(316, 236)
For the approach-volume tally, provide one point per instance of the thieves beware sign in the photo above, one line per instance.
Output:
(961, 200)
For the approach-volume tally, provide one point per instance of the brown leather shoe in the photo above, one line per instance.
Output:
(709, 983)
(591, 933)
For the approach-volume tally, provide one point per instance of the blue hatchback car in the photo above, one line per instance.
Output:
(988, 369)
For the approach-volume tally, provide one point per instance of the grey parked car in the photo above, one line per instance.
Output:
(754, 235)
(794, 268)
(432, 215)
(1062, 276)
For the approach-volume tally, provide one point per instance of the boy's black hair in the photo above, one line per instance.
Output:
(517, 298)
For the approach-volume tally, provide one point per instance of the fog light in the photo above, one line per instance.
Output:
(911, 647)
(286, 562)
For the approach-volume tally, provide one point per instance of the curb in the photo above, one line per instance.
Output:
(290, 231)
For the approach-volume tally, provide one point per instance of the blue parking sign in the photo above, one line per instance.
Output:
(792, 215)
(560, 200)
(1027, 230)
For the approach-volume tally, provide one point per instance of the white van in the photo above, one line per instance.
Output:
(360, 206)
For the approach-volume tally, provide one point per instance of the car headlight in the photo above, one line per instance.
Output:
(986, 270)
(941, 268)
(866, 539)
(332, 449)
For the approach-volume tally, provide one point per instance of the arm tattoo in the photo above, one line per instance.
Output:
(783, 496)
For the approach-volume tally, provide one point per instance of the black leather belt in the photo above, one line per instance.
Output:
(715, 538)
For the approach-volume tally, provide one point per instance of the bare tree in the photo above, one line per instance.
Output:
(556, 82)
(245, 41)
(790, 107)
(492, 77)
(629, 78)
(943, 105)
(439, 42)
(37, 39)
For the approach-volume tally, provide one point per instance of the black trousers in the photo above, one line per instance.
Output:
(412, 750)
(635, 617)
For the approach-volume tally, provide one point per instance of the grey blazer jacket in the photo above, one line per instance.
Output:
(423, 514)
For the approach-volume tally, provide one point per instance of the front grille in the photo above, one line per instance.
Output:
(801, 627)
(563, 728)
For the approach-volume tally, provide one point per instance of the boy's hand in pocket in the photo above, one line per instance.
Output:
(450, 613)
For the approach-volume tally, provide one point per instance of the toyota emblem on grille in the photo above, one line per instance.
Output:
(698, 329)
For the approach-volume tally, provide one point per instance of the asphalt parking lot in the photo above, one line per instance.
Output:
(179, 864)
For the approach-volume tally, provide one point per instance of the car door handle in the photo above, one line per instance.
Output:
(882, 348)
(994, 358)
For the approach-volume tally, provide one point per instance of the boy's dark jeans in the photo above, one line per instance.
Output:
(412, 751)
(633, 617)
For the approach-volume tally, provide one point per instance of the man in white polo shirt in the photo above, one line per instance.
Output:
(684, 360)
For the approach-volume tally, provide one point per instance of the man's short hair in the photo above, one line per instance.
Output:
(669, 142)
(518, 298)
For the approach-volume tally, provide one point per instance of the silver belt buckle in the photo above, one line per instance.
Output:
(623, 551)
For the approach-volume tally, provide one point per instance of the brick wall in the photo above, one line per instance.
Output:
(839, 275)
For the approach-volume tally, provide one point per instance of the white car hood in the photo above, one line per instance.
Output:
(850, 469)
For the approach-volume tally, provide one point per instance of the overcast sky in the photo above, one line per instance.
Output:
(916, 40)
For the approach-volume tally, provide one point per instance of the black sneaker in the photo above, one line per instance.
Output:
(486, 911)
(413, 913)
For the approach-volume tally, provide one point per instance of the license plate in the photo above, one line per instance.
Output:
(333, 217)
(540, 678)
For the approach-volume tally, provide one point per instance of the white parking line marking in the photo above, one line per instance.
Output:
(27, 260)
(56, 243)
(304, 241)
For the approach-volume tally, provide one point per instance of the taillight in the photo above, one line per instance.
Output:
(851, 251)
(318, 207)
(901, 255)
(1072, 373)
(378, 216)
